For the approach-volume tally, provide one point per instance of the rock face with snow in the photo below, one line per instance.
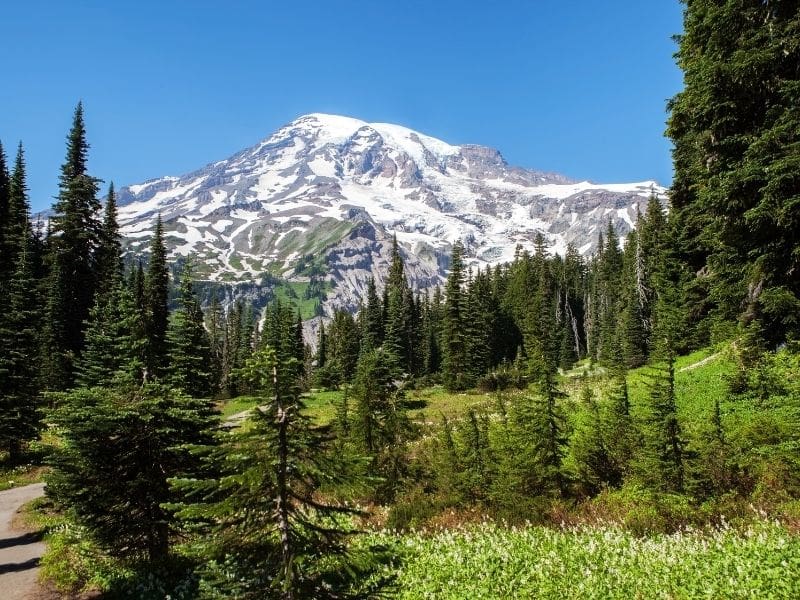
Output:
(324, 195)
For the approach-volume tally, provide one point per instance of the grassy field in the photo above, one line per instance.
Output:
(699, 380)
(428, 405)
(489, 562)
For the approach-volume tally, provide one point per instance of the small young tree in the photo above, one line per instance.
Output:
(380, 427)
(268, 532)
(589, 458)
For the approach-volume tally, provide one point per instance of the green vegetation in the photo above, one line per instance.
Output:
(74, 564)
(313, 241)
(303, 296)
(234, 406)
(19, 475)
(490, 561)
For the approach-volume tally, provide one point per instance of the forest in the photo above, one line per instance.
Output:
(642, 401)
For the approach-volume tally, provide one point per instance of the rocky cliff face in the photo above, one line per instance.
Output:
(324, 195)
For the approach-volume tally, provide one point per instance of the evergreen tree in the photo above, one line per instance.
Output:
(478, 326)
(187, 340)
(589, 457)
(736, 153)
(661, 459)
(621, 437)
(75, 237)
(380, 428)
(394, 338)
(454, 348)
(215, 324)
(632, 326)
(539, 328)
(609, 349)
(372, 334)
(56, 361)
(431, 354)
(120, 447)
(344, 345)
(476, 461)
(99, 362)
(268, 533)
(109, 252)
(233, 354)
(6, 265)
(571, 307)
(18, 358)
(103, 357)
(156, 296)
(531, 451)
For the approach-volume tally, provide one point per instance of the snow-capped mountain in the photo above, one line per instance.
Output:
(325, 194)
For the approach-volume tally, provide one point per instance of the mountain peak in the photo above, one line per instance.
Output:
(337, 130)
(328, 191)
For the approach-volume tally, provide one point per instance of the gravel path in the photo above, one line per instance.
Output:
(19, 551)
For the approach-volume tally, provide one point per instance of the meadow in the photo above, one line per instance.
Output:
(489, 561)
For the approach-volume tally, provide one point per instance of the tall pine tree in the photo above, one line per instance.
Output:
(156, 297)
(74, 240)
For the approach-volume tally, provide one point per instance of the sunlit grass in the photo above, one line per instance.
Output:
(489, 561)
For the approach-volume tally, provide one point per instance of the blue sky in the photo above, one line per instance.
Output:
(575, 87)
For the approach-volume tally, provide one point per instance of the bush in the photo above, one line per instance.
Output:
(640, 510)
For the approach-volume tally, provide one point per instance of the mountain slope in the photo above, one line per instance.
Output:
(323, 196)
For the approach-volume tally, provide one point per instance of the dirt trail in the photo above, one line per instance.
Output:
(19, 550)
(700, 363)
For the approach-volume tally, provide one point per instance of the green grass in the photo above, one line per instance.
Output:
(314, 240)
(426, 405)
(698, 384)
(489, 561)
(430, 404)
(321, 406)
(293, 293)
(696, 390)
(228, 408)
(19, 475)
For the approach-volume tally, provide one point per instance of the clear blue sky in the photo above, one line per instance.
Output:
(575, 87)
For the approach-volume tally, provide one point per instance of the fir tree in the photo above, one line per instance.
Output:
(619, 431)
(187, 340)
(632, 327)
(102, 357)
(344, 345)
(215, 325)
(735, 132)
(660, 461)
(6, 266)
(454, 363)
(380, 427)
(372, 334)
(268, 533)
(589, 457)
(109, 252)
(74, 239)
(156, 295)
(119, 449)
(478, 326)
(19, 418)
